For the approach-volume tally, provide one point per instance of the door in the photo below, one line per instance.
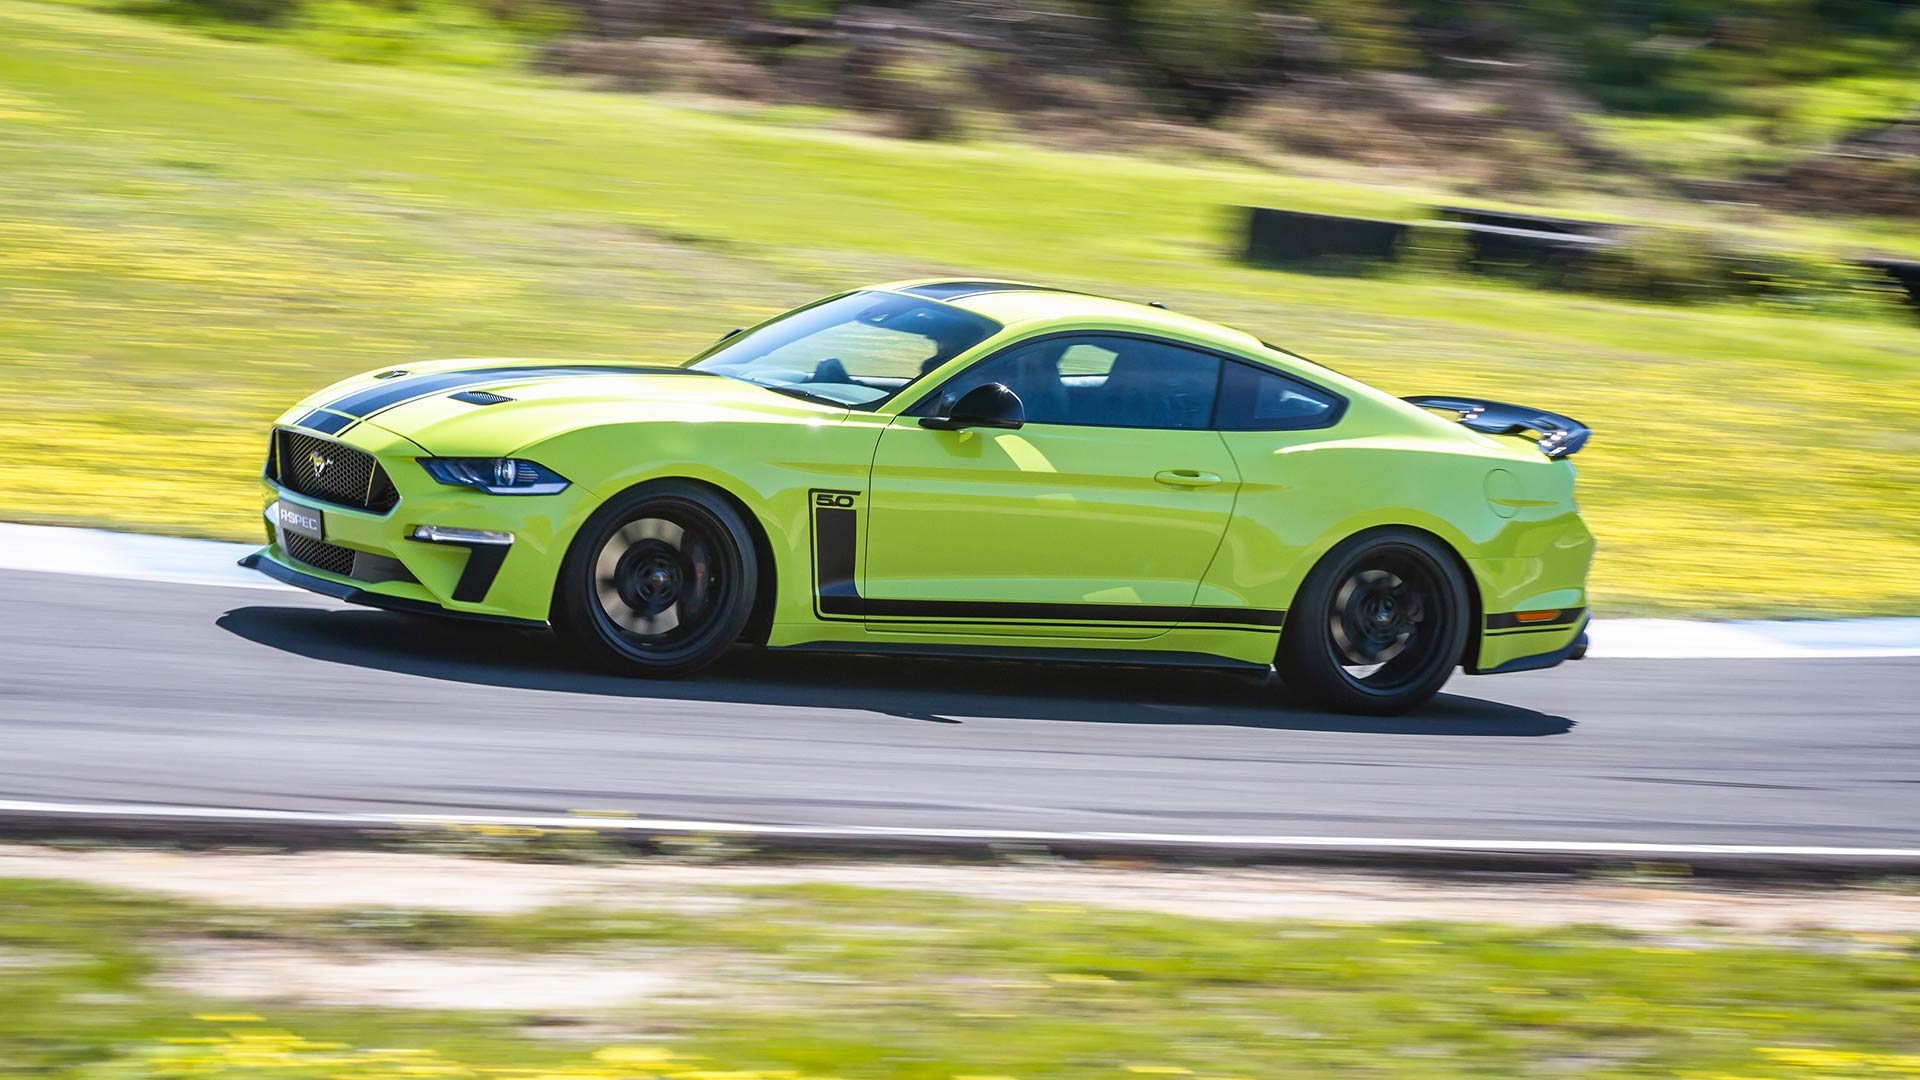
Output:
(1097, 519)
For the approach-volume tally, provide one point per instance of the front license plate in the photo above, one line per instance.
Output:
(302, 520)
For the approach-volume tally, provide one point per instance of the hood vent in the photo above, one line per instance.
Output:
(479, 397)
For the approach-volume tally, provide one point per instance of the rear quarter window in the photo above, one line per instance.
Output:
(1258, 399)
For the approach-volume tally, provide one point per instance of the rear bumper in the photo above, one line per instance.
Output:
(264, 562)
(1574, 649)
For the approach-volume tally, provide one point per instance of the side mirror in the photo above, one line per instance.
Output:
(989, 405)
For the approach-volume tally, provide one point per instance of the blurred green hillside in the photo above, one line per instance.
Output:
(196, 230)
(1690, 98)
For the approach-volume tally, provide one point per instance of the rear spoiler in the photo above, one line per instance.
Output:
(1560, 436)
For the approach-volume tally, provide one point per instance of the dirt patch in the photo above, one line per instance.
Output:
(287, 973)
(1369, 898)
(26, 959)
(345, 880)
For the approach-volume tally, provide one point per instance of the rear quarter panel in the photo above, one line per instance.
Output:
(1499, 503)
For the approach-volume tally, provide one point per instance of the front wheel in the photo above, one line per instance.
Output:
(659, 582)
(1378, 626)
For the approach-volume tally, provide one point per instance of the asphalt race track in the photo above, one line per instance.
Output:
(135, 692)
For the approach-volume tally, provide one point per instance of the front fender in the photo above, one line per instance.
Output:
(769, 468)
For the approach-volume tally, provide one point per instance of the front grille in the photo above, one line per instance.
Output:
(331, 472)
(329, 557)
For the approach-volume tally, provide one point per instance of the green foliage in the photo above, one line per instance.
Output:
(1694, 57)
(1671, 265)
(1371, 34)
(426, 33)
(1679, 265)
(212, 14)
(802, 10)
(1198, 38)
(1817, 67)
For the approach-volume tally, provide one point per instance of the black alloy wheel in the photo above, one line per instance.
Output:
(1379, 625)
(659, 582)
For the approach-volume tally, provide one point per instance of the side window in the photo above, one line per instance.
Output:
(1254, 399)
(1085, 360)
(1100, 381)
(1031, 371)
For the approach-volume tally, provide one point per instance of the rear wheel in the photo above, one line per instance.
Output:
(1378, 626)
(659, 582)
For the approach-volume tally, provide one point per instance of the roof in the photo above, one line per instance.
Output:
(1018, 303)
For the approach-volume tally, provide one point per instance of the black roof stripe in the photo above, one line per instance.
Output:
(954, 290)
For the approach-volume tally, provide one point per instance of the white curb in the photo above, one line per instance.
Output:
(99, 553)
(634, 824)
(1752, 639)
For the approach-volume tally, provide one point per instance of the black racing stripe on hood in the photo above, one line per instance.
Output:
(326, 423)
(364, 403)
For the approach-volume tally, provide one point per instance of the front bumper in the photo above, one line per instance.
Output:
(375, 558)
(327, 586)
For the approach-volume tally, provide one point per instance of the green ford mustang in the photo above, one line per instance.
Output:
(970, 467)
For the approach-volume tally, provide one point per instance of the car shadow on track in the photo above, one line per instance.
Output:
(930, 690)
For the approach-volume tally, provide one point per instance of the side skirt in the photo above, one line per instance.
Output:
(1036, 654)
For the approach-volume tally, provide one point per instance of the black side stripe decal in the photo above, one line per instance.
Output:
(996, 610)
(835, 537)
(837, 592)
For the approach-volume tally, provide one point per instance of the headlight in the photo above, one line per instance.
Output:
(496, 476)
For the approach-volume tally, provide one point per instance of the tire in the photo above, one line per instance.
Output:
(659, 582)
(1378, 626)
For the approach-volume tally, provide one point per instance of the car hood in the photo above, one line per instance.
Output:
(493, 407)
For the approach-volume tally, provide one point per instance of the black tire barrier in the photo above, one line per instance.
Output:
(1904, 272)
(1297, 238)
(1556, 252)
(1294, 237)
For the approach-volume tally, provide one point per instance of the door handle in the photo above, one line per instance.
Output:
(1186, 478)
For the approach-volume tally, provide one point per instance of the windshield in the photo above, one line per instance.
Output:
(856, 350)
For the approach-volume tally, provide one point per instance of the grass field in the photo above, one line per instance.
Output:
(792, 982)
(195, 232)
